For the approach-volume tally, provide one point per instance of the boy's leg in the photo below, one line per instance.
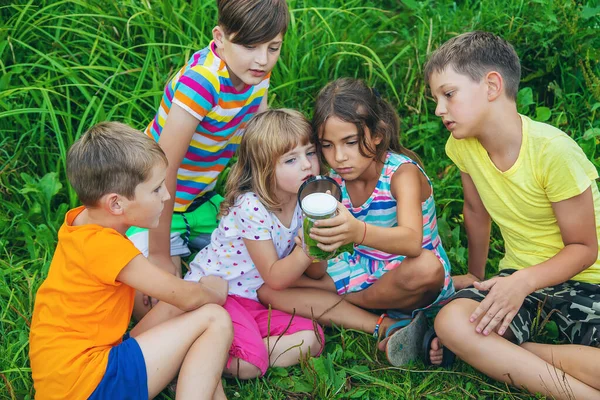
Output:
(415, 283)
(195, 344)
(501, 359)
(581, 362)
(160, 313)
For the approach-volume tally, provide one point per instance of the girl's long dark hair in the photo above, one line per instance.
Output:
(352, 101)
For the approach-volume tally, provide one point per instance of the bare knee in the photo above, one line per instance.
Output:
(452, 322)
(312, 342)
(265, 294)
(423, 273)
(215, 318)
(242, 370)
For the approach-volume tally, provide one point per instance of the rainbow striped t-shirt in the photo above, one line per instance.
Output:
(203, 88)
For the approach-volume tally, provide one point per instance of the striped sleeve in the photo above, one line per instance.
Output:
(197, 91)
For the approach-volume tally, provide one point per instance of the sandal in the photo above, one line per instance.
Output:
(448, 356)
(406, 341)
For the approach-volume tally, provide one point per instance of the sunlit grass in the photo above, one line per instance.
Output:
(65, 65)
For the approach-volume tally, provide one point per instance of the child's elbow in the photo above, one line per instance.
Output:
(414, 248)
(592, 255)
(276, 284)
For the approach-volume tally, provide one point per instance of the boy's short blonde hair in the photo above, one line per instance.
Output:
(111, 157)
(253, 21)
(475, 54)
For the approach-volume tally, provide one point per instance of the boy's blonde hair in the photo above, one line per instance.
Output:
(268, 136)
(475, 54)
(111, 157)
(253, 21)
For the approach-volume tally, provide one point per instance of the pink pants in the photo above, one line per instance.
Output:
(251, 324)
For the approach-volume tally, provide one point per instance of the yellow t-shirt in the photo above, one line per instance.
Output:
(80, 310)
(550, 168)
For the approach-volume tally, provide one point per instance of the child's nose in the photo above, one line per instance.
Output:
(339, 155)
(440, 109)
(262, 56)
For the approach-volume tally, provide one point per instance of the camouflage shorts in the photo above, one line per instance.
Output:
(573, 306)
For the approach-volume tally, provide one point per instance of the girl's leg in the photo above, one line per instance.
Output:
(502, 360)
(415, 283)
(284, 351)
(325, 306)
(195, 344)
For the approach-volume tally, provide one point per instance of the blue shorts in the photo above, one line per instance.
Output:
(125, 376)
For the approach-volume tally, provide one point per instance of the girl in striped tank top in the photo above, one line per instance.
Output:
(388, 212)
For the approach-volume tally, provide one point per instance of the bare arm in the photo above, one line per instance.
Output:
(175, 139)
(577, 223)
(157, 283)
(478, 225)
(277, 273)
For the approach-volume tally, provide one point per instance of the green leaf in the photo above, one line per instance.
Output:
(413, 5)
(278, 371)
(591, 133)
(589, 12)
(524, 99)
(542, 114)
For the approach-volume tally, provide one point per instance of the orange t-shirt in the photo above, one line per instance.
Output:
(80, 310)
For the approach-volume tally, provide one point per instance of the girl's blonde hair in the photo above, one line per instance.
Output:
(268, 136)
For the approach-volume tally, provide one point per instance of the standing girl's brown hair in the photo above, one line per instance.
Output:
(352, 101)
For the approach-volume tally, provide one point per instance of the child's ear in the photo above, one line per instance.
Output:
(218, 36)
(113, 203)
(495, 85)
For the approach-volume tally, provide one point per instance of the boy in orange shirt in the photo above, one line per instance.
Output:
(83, 308)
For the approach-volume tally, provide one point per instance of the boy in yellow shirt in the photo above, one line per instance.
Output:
(537, 185)
(83, 308)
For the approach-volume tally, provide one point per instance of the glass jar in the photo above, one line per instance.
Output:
(316, 206)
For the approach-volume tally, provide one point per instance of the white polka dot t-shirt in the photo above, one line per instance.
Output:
(226, 256)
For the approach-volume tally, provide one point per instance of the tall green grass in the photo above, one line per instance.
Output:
(65, 65)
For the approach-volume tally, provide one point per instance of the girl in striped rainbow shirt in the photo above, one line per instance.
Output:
(388, 212)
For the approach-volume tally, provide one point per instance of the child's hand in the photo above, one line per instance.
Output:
(337, 231)
(217, 287)
(463, 281)
(501, 304)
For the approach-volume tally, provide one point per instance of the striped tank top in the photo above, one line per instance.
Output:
(380, 209)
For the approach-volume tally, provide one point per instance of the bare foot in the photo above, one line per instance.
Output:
(436, 354)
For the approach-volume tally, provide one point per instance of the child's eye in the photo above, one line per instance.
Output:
(311, 153)
(325, 145)
(273, 49)
(352, 142)
(449, 94)
(249, 47)
(290, 161)
(157, 189)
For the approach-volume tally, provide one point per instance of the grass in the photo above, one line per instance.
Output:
(65, 65)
